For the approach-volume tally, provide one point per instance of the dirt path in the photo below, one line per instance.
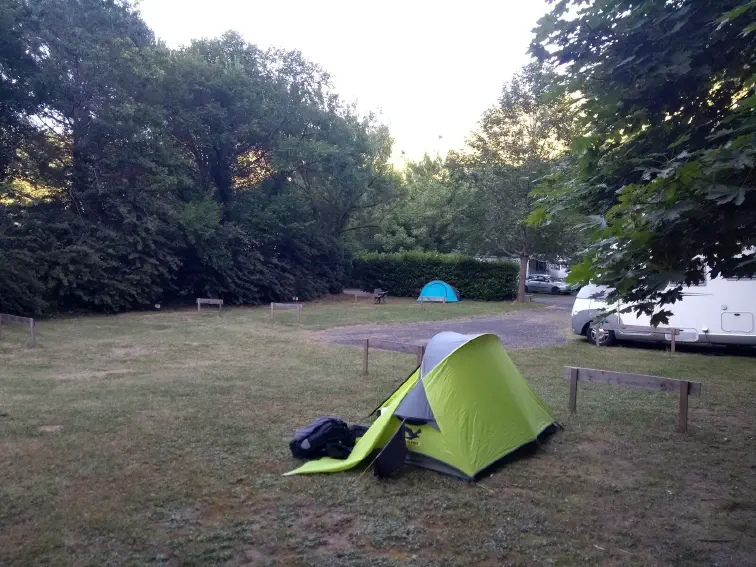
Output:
(519, 329)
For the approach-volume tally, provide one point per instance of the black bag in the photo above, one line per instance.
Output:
(358, 431)
(325, 437)
(392, 456)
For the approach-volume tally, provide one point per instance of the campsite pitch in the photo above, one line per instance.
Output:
(161, 439)
(344, 311)
(527, 325)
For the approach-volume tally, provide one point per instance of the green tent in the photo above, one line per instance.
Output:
(465, 408)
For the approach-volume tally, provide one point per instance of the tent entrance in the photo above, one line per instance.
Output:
(415, 409)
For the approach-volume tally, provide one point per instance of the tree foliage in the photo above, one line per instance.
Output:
(132, 174)
(425, 215)
(517, 143)
(664, 160)
(478, 201)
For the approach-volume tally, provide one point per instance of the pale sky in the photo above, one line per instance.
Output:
(428, 68)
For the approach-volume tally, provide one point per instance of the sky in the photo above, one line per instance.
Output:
(429, 69)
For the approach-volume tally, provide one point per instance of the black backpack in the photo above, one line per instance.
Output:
(325, 437)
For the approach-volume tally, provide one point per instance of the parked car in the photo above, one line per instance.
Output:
(543, 283)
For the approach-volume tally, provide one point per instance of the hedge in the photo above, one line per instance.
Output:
(404, 274)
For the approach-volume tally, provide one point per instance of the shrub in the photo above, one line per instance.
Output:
(404, 274)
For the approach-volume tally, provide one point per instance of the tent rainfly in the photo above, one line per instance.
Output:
(465, 408)
(439, 289)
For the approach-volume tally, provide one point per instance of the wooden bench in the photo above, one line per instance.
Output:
(208, 301)
(418, 350)
(285, 306)
(641, 381)
(6, 318)
(431, 299)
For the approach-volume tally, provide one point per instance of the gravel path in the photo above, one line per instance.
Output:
(519, 329)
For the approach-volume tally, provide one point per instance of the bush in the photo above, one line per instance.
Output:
(404, 274)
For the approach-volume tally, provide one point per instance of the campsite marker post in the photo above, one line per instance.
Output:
(682, 416)
(209, 301)
(7, 318)
(417, 350)
(365, 357)
(641, 381)
(297, 306)
(432, 299)
(573, 389)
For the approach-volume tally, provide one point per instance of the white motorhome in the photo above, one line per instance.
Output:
(720, 311)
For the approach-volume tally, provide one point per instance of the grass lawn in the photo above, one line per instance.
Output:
(343, 310)
(160, 439)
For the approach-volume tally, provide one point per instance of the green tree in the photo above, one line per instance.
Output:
(340, 166)
(280, 170)
(102, 234)
(665, 157)
(517, 143)
(423, 216)
(133, 174)
(18, 99)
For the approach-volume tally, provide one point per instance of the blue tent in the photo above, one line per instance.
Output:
(437, 288)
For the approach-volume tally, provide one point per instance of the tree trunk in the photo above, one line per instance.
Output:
(222, 175)
(523, 274)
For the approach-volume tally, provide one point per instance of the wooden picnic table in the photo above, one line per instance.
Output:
(379, 296)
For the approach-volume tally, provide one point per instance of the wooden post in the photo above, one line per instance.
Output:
(271, 312)
(299, 311)
(365, 357)
(682, 418)
(685, 388)
(672, 342)
(420, 351)
(1, 328)
(573, 389)
(198, 305)
(33, 333)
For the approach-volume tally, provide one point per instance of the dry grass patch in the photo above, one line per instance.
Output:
(342, 310)
(172, 449)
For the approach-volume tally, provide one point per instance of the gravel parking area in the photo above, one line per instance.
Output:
(521, 329)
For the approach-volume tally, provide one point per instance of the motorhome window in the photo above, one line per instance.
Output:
(593, 292)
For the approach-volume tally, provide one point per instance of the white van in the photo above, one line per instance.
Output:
(720, 311)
